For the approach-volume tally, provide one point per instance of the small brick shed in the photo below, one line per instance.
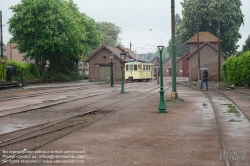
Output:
(208, 56)
(99, 63)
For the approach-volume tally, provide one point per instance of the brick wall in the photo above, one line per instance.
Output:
(166, 65)
(100, 60)
(13, 54)
(208, 59)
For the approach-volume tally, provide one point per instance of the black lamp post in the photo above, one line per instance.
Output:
(162, 106)
(111, 55)
(123, 56)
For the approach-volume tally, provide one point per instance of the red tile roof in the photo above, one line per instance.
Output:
(203, 37)
(117, 50)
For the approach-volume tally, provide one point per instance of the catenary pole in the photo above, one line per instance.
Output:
(1, 34)
(174, 92)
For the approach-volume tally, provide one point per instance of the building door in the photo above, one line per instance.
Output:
(170, 72)
(184, 68)
(104, 73)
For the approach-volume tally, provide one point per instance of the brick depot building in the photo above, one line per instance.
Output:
(99, 63)
(208, 57)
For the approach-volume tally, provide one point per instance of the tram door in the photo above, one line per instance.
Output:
(139, 71)
(104, 73)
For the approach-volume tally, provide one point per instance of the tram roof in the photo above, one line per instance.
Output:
(135, 62)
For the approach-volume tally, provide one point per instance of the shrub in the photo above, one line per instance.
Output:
(236, 70)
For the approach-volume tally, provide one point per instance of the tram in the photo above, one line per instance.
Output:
(138, 71)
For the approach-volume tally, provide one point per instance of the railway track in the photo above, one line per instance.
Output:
(233, 125)
(67, 113)
(33, 140)
(47, 103)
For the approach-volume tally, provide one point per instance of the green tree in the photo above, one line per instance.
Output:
(165, 53)
(207, 15)
(53, 32)
(110, 33)
(246, 46)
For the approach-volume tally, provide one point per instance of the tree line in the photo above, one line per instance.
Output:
(57, 35)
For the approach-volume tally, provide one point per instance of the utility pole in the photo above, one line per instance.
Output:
(174, 92)
(10, 51)
(1, 34)
(198, 45)
(35, 42)
(218, 83)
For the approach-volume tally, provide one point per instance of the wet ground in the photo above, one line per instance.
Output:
(205, 128)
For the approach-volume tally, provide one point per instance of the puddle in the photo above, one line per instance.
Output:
(232, 109)
(10, 128)
(233, 120)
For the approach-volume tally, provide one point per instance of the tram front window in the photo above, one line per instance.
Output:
(135, 67)
(130, 67)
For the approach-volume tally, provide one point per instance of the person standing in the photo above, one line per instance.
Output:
(205, 79)
(8, 75)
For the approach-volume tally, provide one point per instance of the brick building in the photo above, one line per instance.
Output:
(208, 56)
(12, 53)
(99, 63)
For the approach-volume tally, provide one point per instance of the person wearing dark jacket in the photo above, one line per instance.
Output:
(205, 79)
(8, 75)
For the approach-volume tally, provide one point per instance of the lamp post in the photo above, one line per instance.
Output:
(123, 56)
(157, 71)
(111, 55)
(162, 106)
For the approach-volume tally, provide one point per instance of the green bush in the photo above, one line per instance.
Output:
(24, 72)
(67, 76)
(21, 71)
(236, 70)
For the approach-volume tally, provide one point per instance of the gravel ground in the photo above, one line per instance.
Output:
(186, 135)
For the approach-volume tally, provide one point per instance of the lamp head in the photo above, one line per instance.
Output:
(123, 55)
(111, 55)
(160, 48)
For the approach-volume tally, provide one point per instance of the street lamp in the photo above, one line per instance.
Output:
(111, 55)
(162, 106)
(123, 56)
(157, 74)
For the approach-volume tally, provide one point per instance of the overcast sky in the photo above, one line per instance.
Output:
(144, 23)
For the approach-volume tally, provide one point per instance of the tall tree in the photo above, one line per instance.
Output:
(53, 31)
(110, 33)
(246, 46)
(165, 53)
(207, 15)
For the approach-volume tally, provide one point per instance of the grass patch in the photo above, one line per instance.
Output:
(232, 109)
(233, 120)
